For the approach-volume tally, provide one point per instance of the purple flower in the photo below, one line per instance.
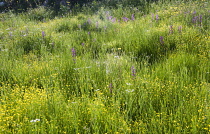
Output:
(200, 18)
(171, 30)
(157, 17)
(133, 71)
(180, 29)
(113, 20)
(194, 19)
(125, 19)
(132, 17)
(161, 40)
(73, 51)
(83, 44)
(43, 34)
(110, 88)
(109, 18)
(88, 33)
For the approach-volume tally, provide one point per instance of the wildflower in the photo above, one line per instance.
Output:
(110, 87)
(88, 33)
(117, 57)
(73, 52)
(157, 17)
(200, 18)
(125, 19)
(43, 34)
(128, 84)
(36, 120)
(130, 90)
(109, 18)
(113, 20)
(132, 17)
(171, 30)
(194, 19)
(83, 44)
(133, 71)
(97, 89)
(180, 29)
(161, 40)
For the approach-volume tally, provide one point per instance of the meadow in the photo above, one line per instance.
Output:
(123, 70)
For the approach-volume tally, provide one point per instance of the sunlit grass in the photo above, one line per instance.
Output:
(114, 71)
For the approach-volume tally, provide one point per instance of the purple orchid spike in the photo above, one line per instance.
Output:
(161, 40)
(43, 34)
(133, 71)
(195, 19)
(73, 51)
(109, 18)
(171, 30)
(157, 17)
(125, 19)
(110, 88)
(113, 20)
(200, 18)
(180, 29)
(132, 17)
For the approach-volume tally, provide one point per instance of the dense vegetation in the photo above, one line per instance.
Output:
(106, 69)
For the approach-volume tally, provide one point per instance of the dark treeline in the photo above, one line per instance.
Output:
(23, 5)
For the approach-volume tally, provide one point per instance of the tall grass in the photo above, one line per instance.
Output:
(112, 71)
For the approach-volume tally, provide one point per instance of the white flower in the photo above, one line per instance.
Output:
(97, 89)
(130, 90)
(128, 84)
(36, 120)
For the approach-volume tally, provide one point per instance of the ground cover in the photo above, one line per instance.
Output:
(117, 70)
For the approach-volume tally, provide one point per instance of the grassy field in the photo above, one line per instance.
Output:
(115, 71)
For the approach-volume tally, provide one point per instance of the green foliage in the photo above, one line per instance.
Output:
(39, 14)
(116, 69)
